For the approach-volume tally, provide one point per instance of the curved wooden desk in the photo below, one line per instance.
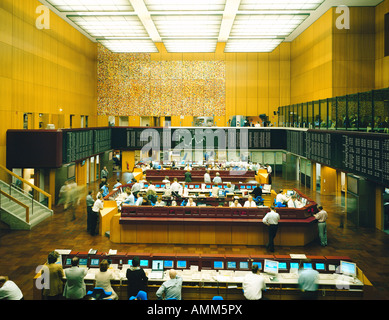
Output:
(212, 225)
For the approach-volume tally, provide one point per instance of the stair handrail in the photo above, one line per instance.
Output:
(19, 203)
(48, 195)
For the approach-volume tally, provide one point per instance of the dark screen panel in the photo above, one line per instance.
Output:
(34, 149)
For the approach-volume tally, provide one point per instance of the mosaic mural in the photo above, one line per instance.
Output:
(132, 84)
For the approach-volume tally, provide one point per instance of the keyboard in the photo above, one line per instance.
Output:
(156, 275)
(289, 275)
(326, 276)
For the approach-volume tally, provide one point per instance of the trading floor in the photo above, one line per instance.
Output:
(23, 251)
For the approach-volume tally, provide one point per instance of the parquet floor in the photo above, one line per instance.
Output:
(22, 251)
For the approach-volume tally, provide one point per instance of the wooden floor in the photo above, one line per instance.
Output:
(22, 252)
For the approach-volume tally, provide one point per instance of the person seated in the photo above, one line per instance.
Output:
(250, 203)
(215, 190)
(217, 178)
(294, 203)
(139, 200)
(171, 288)
(191, 203)
(175, 188)
(174, 203)
(117, 184)
(151, 187)
(257, 192)
(159, 202)
(130, 199)
(281, 197)
(229, 188)
(166, 181)
(236, 203)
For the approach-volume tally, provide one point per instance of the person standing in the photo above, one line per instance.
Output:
(97, 206)
(271, 220)
(54, 289)
(171, 288)
(104, 173)
(75, 288)
(321, 218)
(253, 284)
(207, 177)
(307, 281)
(9, 290)
(188, 176)
(137, 279)
(89, 204)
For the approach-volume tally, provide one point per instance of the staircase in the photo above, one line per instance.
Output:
(13, 213)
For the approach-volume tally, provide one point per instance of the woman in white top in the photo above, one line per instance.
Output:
(103, 279)
(250, 203)
(235, 204)
(191, 203)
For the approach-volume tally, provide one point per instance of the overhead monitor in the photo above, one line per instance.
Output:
(231, 265)
(129, 262)
(157, 265)
(144, 263)
(181, 264)
(94, 262)
(218, 265)
(320, 266)
(243, 265)
(270, 266)
(168, 264)
(348, 268)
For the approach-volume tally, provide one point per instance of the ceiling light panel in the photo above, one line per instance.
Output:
(111, 26)
(134, 45)
(257, 26)
(250, 5)
(252, 45)
(91, 5)
(185, 5)
(190, 45)
(188, 26)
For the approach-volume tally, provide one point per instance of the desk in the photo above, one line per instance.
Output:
(202, 284)
(106, 214)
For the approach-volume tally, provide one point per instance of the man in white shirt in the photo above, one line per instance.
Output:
(217, 178)
(139, 201)
(321, 218)
(136, 187)
(171, 288)
(281, 197)
(175, 188)
(215, 190)
(130, 199)
(271, 220)
(207, 177)
(9, 290)
(253, 284)
(191, 203)
(250, 203)
(97, 206)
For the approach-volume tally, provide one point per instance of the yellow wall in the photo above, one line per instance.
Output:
(43, 71)
(382, 63)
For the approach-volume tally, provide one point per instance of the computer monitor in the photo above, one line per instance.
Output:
(243, 265)
(242, 187)
(320, 266)
(191, 186)
(129, 262)
(197, 186)
(307, 265)
(83, 262)
(208, 186)
(94, 262)
(248, 187)
(282, 265)
(157, 265)
(68, 262)
(348, 268)
(168, 264)
(270, 266)
(290, 192)
(162, 186)
(259, 264)
(144, 263)
(294, 265)
(218, 265)
(157, 185)
(181, 264)
(145, 185)
(231, 265)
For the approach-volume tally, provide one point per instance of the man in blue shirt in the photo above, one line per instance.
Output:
(308, 281)
(171, 288)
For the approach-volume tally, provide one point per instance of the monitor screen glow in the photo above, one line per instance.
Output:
(83, 262)
(218, 264)
(259, 265)
(197, 186)
(248, 187)
(208, 186)
(282, 265)
(243, 265)
(68, 261)
(231, 265)
(181, 264)
(168, 264)
(307, 265)
(129, 262)
(320, 266)
(144, 263)
(270, 266)
(157, 265)
(294, 265)
(348, 268)
(94, 262)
